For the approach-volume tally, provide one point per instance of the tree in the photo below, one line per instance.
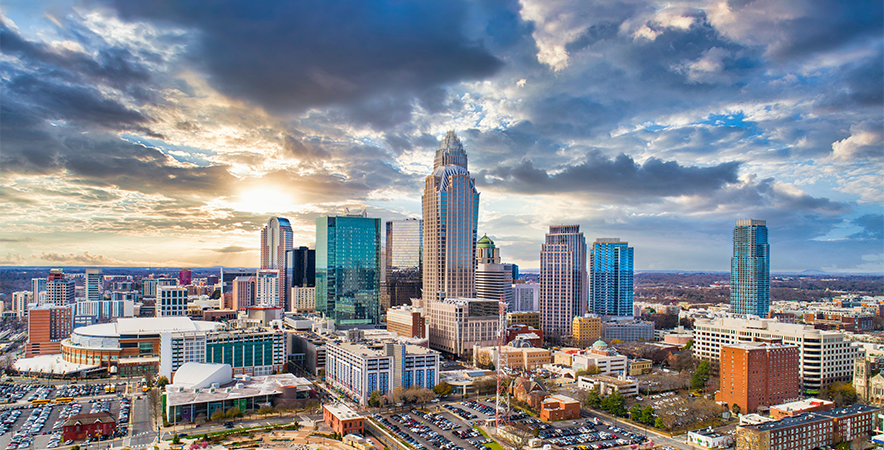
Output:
(647, 416)
(698, 381)
(218, 415)
(592, 369)
(162, 382)
(593, 398)
(635, 413)
(483, 361)
(234, 413)
(266, 410)
(615, 404)
(374, 399)
(842, 393)
(736, 409)
(658, 423)
(519, 435)
(442, 388)
(176, 439)
(425, 395)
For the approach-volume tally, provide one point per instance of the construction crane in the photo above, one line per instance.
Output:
(500, 365)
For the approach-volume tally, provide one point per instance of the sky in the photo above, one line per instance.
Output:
(167, 133)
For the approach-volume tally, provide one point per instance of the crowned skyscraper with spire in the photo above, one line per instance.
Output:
(451, 214)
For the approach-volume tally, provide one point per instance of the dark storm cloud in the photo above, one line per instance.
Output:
(620, 176)
(822, 25)
(292, 55)
(873, 227)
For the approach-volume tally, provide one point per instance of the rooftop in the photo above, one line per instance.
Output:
(802, 404)
(50, 364)
(708, 432)
(145, 325)
(373, 349)
(244, 387)
(848, 411)
(788, 422)
(341, 411)
(90, 418)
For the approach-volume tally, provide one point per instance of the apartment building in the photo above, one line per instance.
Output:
(756, 374)
(518, 358)
(406, 321)
(171, 301)
(824, 356)
(48, 325)
(360, 368)
(809, 431)
(585, 330)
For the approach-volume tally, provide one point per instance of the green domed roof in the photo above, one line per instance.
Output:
(599, 343)
(485, 242)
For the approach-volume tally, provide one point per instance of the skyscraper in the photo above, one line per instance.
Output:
(563, 280)
(403, 261)
(61, 292)
(267, 285)
(451, 212)
(276, 240)
(348, 272)
(93, 284)
(494, 281)
(750, 268)
(610, 277)
(185, 277)
(302, 264)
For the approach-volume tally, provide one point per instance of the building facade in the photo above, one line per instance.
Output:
(93, 285)
(529, 318)
(750, 268)
(494, 281)
(450, 213)
(20, 301)
(406, 321)
(563, 280)
(276, 243)
(251, 351)
(824, 356)
(456, 325)
(610, 277)
(585, 330)
(60, 292)
(171, 301)
(303, 299)
(342, 419)
(403, 261)
(302, 264)
(527, 296)
(628, 331)
(348, 269)
(244, 292)
(758, 374)
(267, 285)
(359, 369)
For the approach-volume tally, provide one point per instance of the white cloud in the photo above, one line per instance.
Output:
(709, 68)
(865, 141)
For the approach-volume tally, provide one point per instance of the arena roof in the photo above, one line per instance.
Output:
(145, 325)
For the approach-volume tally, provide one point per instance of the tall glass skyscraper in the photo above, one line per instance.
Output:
(750, 268)
(276, 241)
(404, 262)
(451, 214)
(302, 265)
(610, 278)
(563, 280)
(93, 285)
(348, 272)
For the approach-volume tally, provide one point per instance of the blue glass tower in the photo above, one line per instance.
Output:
(750, 268)
(611, 274)
(348, 269)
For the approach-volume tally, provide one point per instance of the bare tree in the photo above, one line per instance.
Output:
(518, 435)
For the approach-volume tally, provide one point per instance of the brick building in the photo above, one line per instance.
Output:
(406, 321)
(800, 407)
(81, 426)
(559, 407)
(48, 325)
(524, 332)
(342, 419)
(840, 320)
(811, 430)
(757, 374)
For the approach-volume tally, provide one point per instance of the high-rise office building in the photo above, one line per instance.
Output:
(276, 241)
(185, 277)
(563, 280)
(527, 296)
(93, 284)
(348, 272)
(403, 262)
(750, 268)
(48, 325)
(451, 212)
(302, 265)
(228, 275)
(610, 277)
(171, 301)
(494, 281)
(267, 286)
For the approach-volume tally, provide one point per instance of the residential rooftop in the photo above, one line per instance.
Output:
(342, 411)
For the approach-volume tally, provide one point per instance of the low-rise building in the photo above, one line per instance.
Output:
(800, 407)
(606, 385)
(559, 407)
(406, 321)
(640, 367)
(585, 330)
(809, 430)
(456, 325)
(514, 357)
(81, 426)
(342, 419)
(710, 438)
(600, 356)
(628, 331)
(525, 333)
(530, 318)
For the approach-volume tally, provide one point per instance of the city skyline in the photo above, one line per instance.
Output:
(166, 137)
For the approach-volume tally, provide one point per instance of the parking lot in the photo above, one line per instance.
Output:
(450, 427)
(40, 425)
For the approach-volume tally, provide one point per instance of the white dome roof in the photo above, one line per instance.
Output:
(194, 375)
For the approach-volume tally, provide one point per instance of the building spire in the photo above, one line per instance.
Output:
(451, 152)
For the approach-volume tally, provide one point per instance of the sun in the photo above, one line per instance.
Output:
(263, 200)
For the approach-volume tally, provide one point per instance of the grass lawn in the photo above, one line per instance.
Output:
(492, 445)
